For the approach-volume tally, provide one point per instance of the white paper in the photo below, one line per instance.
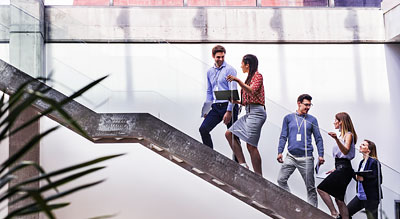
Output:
(206, 108)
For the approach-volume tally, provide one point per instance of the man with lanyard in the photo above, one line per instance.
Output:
(296, 130)
(221, 110)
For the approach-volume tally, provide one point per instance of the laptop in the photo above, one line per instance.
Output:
(227, 95)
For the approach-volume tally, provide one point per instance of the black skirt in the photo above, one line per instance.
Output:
(336, 183)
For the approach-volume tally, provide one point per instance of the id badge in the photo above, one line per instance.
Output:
(298, 137)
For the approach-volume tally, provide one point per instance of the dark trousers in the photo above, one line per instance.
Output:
(370, 206)
(213, 118)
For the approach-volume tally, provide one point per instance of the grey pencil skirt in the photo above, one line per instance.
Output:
(248, 127)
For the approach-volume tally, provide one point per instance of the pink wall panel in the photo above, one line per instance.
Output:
(221, 2)
(149, 2)
(282, 2)
(91, 2)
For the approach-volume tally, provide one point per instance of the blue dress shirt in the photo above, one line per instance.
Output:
(216, 81)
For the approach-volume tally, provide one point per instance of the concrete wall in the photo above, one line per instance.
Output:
(111, 24)
(391, 10)
(168, 80)
(121, 24)
(4, 23)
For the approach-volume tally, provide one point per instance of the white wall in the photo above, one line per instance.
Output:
(4, 54)
(168, 80)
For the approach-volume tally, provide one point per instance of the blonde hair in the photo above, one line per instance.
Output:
(372, 149)
(347, 125)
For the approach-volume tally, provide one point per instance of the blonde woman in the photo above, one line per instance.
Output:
(344, 151)
(369, 191)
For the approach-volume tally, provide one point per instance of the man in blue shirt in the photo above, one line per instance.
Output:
(296, 130)
(221, 110)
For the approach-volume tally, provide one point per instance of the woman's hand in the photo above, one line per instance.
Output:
(234, 101)
(231, 78)
(333, 135)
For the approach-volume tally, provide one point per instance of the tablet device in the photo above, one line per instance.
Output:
(227, 95)
(364, 173)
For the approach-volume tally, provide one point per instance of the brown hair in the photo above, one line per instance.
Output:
(218, 48)
(304, 96)
(347, 125)
(372, 149)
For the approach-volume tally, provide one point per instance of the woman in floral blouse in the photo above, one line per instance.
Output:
(248, 127)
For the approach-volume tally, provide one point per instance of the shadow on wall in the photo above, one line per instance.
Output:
(200, 22)
(123, 22)
(277, 25)
(351, 24)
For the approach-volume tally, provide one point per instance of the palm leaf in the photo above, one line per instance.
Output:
(2, 101)
(6, 179)
(14, 113)
(25, 149)
(25, 96)
(40, 202)
(15, 189)
(58, 195)
(25, 164)
(68, 169)
(104, 216)
(25, 210)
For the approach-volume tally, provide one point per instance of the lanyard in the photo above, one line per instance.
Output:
(297, 123)
(217, 72)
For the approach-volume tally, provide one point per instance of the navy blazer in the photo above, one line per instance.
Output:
(370, 183)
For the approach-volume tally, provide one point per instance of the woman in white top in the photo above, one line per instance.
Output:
(336, 183)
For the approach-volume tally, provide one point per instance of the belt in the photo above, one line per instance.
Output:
(220, 104)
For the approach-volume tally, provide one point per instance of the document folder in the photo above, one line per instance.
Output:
(364, 173)
(227, 95)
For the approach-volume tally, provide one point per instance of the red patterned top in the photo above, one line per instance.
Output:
(257, 96)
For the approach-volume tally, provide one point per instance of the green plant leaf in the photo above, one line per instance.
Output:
(70, 191)
(14, 113)
(5, 180)
(2, 101)
(31, 209)
(58, 107)
(17, 188)
(40, 202)
(69, 169)
(30, 92)
(104, 216)
(6, 164)
(25, 164)
(11, 191)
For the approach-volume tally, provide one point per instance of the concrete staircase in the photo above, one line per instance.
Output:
(176, 146)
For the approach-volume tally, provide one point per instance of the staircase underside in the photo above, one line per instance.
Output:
(176, 146)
